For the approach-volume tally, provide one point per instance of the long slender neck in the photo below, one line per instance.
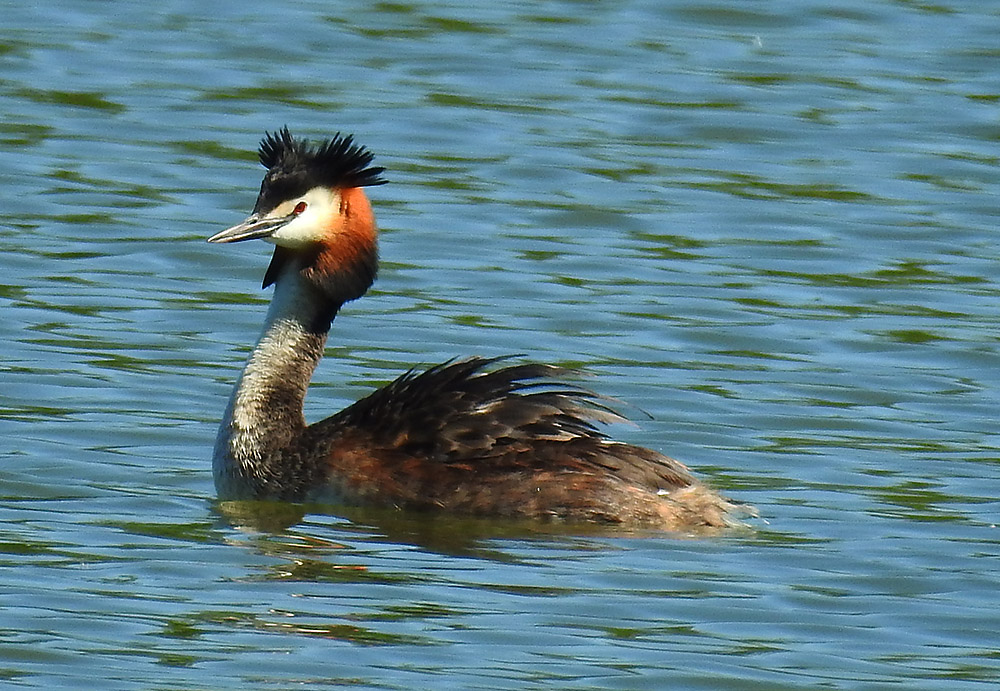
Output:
(259, 451)
(255, 451)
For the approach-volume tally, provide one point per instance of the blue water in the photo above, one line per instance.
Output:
(768, 228)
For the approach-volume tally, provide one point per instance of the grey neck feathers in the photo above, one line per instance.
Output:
(256, 451)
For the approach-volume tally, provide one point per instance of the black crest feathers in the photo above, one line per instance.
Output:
(294, 166)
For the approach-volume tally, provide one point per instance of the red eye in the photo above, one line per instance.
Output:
(299, 208)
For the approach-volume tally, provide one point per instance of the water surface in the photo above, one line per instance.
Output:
(768, 228)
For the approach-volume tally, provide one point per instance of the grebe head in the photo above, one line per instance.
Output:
(311, 206)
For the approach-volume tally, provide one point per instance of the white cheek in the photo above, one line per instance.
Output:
(312, 225)
(304, 230)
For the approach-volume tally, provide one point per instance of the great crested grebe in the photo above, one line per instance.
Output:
(464, 437)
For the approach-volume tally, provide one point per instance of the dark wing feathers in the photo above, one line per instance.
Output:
(508, 441)
(460, 412)
(457, 409)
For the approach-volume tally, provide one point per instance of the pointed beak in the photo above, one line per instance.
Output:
(251, 229)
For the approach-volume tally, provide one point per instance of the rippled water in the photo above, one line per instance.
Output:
(769, 227)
